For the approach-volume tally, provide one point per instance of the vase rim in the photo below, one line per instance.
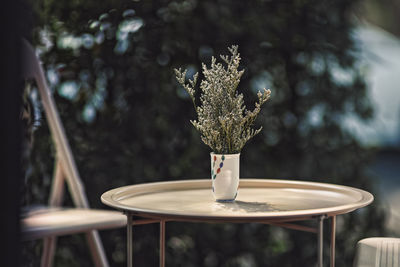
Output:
(226, 155)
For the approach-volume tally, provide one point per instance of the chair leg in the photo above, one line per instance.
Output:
(96, 248)
(49, 247)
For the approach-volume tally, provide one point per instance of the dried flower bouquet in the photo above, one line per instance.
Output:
(223, 121)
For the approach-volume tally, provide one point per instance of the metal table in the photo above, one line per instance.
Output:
(276, 202)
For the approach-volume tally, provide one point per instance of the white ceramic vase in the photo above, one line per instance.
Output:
(225, 176)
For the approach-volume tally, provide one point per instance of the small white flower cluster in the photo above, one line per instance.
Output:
(223, 120)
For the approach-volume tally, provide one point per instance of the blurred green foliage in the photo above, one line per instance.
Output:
(111, 63)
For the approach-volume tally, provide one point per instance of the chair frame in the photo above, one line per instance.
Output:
(65, 166)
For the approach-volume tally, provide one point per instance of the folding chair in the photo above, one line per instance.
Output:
(53, 221)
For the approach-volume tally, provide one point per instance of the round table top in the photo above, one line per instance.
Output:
(257, 200)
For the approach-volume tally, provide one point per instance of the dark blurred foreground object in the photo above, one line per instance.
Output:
(10, 130)
(50, 222)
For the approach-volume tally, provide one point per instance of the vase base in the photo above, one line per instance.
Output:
(225, 200)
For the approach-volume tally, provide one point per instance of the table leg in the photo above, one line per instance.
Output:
(333, 241)
(162, 243)
(320, 240)
(129, 240)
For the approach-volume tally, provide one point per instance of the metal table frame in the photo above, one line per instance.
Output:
(141, 216)
(319, 230)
